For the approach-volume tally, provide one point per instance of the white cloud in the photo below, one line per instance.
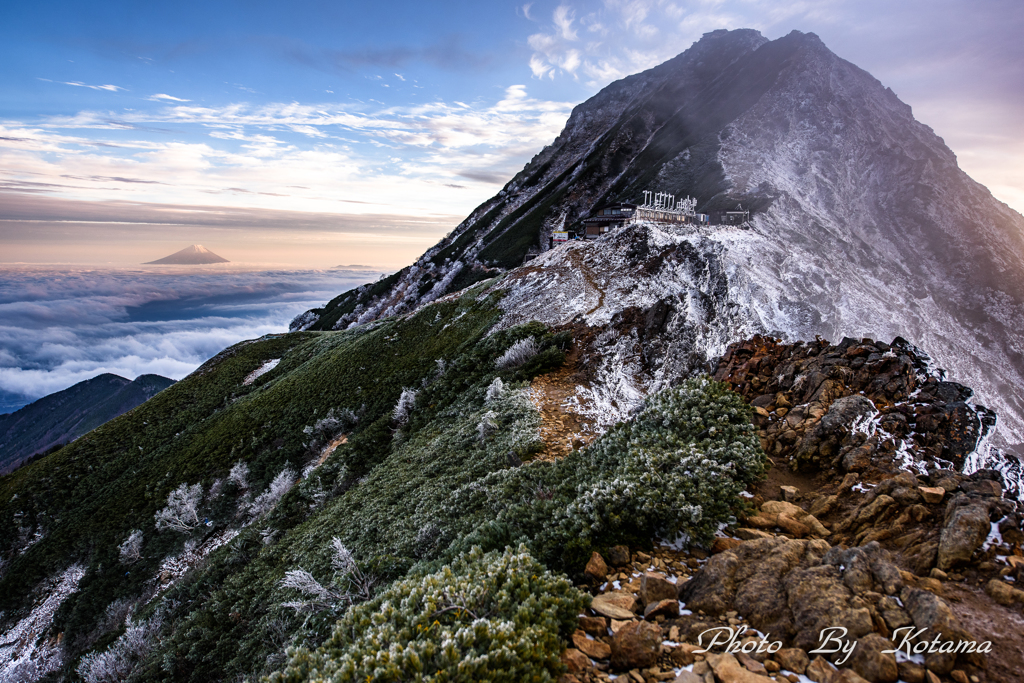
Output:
(166, 98)
(58, 328)
(255, 152)
(564, 16)
(111, 88)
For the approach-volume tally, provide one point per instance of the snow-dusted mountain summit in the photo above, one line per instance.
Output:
(862, 224)
(194, 255)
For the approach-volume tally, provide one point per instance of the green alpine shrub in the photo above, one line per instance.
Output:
(494, 617)
(676, 468)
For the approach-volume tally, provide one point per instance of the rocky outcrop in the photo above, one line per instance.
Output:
(797, 590)
(803, 597)
(855, 406)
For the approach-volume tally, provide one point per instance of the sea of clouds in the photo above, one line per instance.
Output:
(60, 326)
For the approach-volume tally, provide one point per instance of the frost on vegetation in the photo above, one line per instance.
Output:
(678, 467)
(517, 354)
(303, 321)
(117, 662)
(442, 285)
(131, 550)
(174, 567)
(494, 616)
(22, 656)
(182, 511)
(487, 425)
(260, 371)
(495, 390)
(239, 475)
(216, 489)
(404, 407)
(349, 584)
(266, 501)
(329, 426)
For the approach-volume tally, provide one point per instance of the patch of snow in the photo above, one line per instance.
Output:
(260, 371)
(902, 656)
(678, 544)
(995, 538)
(22, 657)
(173, 568)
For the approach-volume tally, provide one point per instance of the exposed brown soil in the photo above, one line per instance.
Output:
(561, 429)
(780, 474)
(330, 448)
(988, 620)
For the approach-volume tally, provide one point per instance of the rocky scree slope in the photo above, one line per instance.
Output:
(862, 523)
(862, 222)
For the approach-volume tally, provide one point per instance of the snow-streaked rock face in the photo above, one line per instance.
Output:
(659, 300)
(652, 304)
(862, 226)
(875, 231)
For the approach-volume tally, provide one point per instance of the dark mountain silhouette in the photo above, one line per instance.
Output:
(64, 416)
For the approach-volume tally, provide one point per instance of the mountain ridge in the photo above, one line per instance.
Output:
(459, 459)
(63, 416)
(862, 223)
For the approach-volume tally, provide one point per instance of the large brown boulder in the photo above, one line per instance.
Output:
(749, 579)
(794, 589)
(931, 613)
(967, 529)
(596, 569)
(654, 587)
(636, 646)
(871, 661)
(615, 605)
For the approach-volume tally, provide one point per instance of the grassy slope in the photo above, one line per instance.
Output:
(87, 497)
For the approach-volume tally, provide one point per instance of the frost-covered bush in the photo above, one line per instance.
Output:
(517, 354)
(487, 425)
(182, 511)
(494, 390)
(677, 467)
(131, 550)
(404, 407)
(387, 513)
(239, 475)
(266, 501)
(494, 617)
(349, 584)
(117, 662)
(332, 424)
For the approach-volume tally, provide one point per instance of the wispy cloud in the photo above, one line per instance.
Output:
(111, 88)
(331, 148)
(165, 98)
(598, 43)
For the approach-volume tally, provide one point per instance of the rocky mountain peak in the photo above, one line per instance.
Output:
(862, 224)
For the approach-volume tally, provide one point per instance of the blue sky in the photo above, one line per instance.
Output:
(319, 133)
